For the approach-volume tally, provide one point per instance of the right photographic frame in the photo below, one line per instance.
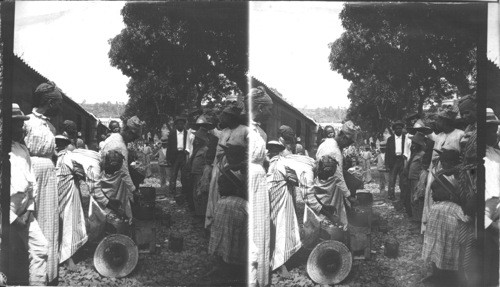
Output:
(374, 144)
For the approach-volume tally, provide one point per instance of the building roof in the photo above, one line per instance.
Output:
(255, 82)
(22, 64)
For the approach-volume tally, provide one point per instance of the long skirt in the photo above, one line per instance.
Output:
(427, 200)
(74, 233)
(367, 173)
(260, 221)
(284, 226)
(441, 239)
(229, 231)
(201, 183)
(47, 210)
(417, 187)
(213, 196)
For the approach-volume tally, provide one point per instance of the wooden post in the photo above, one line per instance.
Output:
(7, 35)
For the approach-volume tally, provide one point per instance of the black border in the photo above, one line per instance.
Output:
(7, 18)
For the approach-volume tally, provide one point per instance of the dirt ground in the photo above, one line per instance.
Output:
(408, 269)
(164, 267)
(189, 267)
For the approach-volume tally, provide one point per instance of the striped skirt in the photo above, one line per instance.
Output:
(229, 231)
(260, 225)
(213, 196)
(47, 209)
(284, 223)
(74, 233)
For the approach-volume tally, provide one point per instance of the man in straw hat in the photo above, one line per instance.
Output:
(395, 156)
(492, 198)
(40, 141)
(25, 229)
(177, 152)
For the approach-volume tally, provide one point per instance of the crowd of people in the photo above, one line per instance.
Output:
(280, 173)
(232, 177)
(433, 157)
(64, 195)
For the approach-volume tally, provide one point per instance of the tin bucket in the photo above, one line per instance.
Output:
(145, 203)
(176, 243)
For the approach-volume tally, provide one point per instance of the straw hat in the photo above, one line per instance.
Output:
(341, 259)
(491, 118)
(135, 125)
(350, 130)
(419, 126)
(419, 138)
(180, 118)
(17, 114)
(62, 140)
(448, 114)
(116, 256)
(203, 121)
(275, 144)
(397, 123)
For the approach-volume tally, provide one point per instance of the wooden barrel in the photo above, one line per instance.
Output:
(391, 248)
(145, 203)
(176, 243)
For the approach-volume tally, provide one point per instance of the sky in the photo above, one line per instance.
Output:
(289, 51)
(67, 42)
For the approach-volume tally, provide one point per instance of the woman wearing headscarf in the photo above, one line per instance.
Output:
(448, 138)
(197, 164)
(72, 223)
(467, 183)
(284, 223)
(442, 246)
(261, 105)
(229, 236)
(40, 141)
(235, 134)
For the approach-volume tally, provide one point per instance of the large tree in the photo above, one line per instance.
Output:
(179, 55)
(400, 57)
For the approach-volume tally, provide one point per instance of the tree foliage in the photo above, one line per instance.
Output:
(400, 57)
(179, 55)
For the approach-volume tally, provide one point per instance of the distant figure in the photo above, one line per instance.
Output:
(299, 148)
(383, 174)
(177, 153)
(162, 162)
(114, 127)
(80, 143)
(395, 157)
(329, 132)
(366, 157)
(101, 143)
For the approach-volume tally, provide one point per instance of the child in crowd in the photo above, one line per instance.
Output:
(366, 160)
(382, 171)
